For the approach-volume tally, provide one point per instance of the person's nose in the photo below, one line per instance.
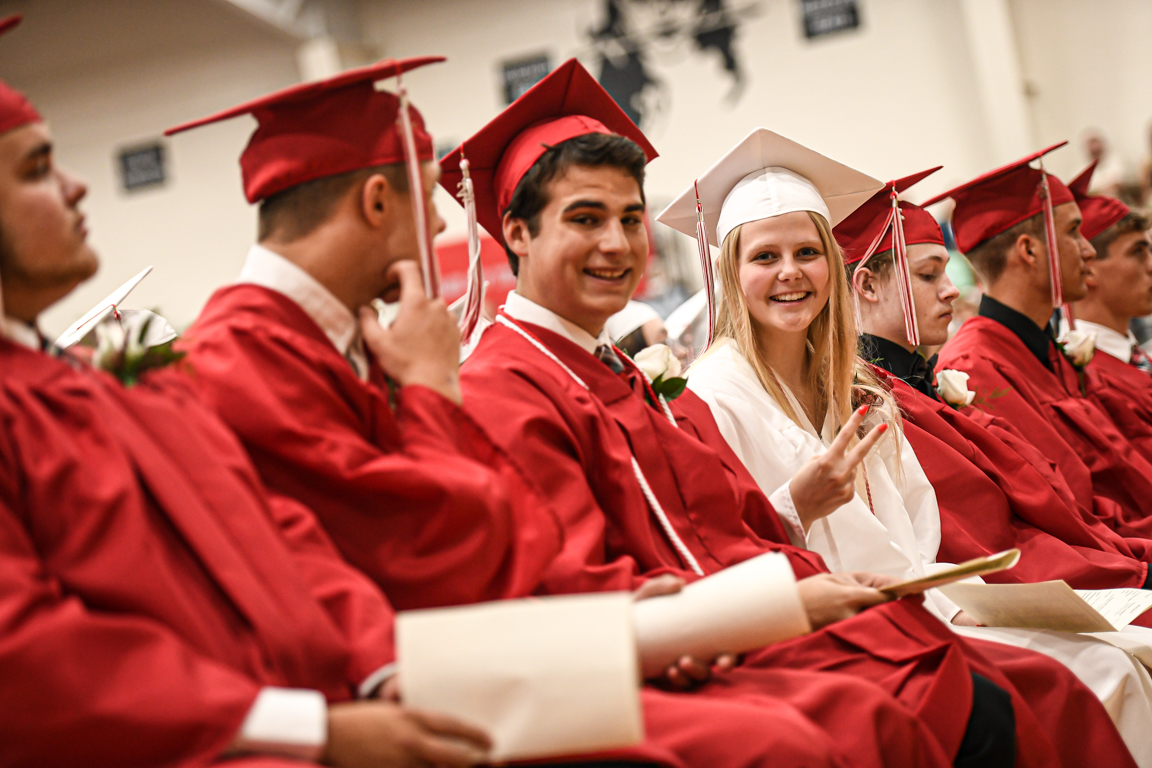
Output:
(789, 268)
(948, 290)
(75, 188)
(437, 223)
(613, 240)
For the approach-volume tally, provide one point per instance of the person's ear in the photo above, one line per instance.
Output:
(1027, 250)
(866, 284)
(377, 198)
(516, 235)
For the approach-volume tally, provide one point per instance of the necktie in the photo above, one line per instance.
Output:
(1140, 359)
(923, 375)
(607, 355)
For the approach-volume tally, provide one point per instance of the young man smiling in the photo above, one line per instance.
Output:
(644, 486)
(1009, 350)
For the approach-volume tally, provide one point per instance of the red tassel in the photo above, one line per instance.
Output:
(895, 223)
(429, 263)
(1054, 273)
(706, 267)
(474, 299)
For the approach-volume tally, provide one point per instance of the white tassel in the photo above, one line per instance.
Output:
(706, 268)
(1056, 278)
(474, 298)
(429, 264)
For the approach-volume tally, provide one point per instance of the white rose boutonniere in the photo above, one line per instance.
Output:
(1078, 347)
(132, 342)
(660, 364)
(952, 386)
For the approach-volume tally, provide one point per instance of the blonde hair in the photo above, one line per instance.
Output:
(841, 380)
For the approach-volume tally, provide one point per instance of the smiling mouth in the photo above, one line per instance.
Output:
(791, 298)
(613, 275)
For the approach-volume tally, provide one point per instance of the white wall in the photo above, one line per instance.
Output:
(1088, 64)
(890, 99)
(113, 73)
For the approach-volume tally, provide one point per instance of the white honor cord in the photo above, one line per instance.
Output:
(649, 496)
(665, 523)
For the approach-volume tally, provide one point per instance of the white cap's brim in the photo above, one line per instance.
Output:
(841, 189)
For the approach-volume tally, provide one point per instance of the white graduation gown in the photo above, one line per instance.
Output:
(902, 537)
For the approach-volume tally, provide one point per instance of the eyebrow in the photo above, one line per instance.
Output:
(44, 148)
(935, 257)
(600, 206)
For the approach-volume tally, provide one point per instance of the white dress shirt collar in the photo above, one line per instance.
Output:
(270, 270)
(1107, 340)
(23, 334)
(519, 308)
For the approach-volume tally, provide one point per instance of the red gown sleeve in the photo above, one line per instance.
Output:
(349, 597)
(518, 413)
(87, 688)
(421, 502)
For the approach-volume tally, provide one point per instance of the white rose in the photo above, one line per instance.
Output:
(1079, 346)
(658, 360)
(953, 388)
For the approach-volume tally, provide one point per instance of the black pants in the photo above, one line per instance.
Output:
(990, 738)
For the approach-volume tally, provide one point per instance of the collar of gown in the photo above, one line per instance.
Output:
(1034, 337)
(23, 334)
(519, 308)
(269, 269)
(1107, 340)
(911, 367)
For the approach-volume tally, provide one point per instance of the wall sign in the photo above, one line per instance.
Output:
(522, 74)
(824, 17)
(142, 167)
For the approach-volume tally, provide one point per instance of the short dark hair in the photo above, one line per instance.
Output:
(880, 264)
(593, 150)
(297, 211)
(989, 258)
(1135, 221)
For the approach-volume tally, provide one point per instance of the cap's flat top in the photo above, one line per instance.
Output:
(842, 188)
(381, 70)
(1001, 171)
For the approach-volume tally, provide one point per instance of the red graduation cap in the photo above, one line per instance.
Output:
(15, 109)
(1001, 199)
(487, 167)
(883, 223)
(325, 128)
(1099, 211)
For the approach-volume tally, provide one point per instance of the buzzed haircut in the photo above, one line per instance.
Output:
(989, 258)
(298, 211)
(880, 263)
(593, 150)
(1135, 221)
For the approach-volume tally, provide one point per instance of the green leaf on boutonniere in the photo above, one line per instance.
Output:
(669, 389)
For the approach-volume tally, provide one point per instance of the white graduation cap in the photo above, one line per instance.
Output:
(634, 315)
(765, 175)
(79, 329)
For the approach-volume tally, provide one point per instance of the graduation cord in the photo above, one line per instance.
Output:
(474, 296)
(1055, 277)
(654, 503)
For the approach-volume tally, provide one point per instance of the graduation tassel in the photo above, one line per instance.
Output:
(429, 264)
(903, 274)
(1057, 279)
(474, 299)
(706, 267)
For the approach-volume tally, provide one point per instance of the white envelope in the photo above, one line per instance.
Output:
(544, 677)
(736, 610)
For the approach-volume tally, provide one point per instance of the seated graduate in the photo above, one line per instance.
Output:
(157, 605)
(362, 424)
(993, 494)
(1119, 289)
(783, 377)
(1032, 261)
(642, 484)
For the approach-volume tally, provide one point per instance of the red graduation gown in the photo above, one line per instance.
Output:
(149, 587)
(420, 499)
(1125, 392)
(991, 499)
(580, 442)
(1071, 431)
